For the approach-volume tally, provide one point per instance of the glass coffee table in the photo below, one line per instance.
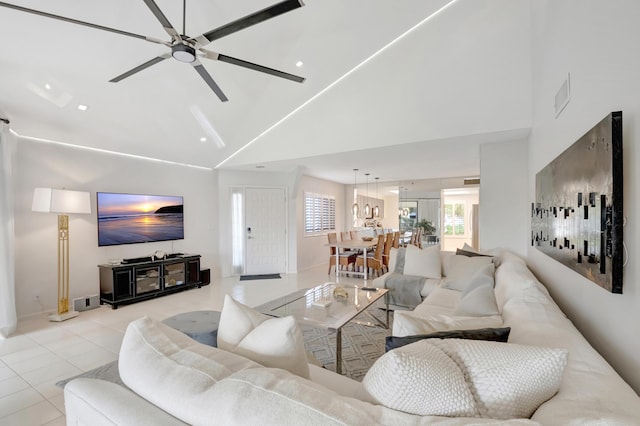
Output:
(329, 306)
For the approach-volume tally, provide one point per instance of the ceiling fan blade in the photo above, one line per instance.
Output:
(249, 20)
(255, 67)
(78, 22)
(139, 68)
(163, 20)
(209, 80)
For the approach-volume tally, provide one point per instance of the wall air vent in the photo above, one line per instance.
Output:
(472, 181)
(563, 96)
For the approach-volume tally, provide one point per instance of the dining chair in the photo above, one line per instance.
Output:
(374, 263)
(344, 259)
(346, 236)
(388, 242)
(396, 239)
(418, 237)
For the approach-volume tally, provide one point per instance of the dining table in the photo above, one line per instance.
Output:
(353, 244)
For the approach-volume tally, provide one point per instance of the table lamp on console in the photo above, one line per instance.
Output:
(63, 202)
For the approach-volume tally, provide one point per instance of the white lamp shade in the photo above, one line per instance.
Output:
(49, 200)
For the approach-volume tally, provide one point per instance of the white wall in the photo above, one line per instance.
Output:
(504, 198)
(597, 42)
(311, 249)
(40, 164)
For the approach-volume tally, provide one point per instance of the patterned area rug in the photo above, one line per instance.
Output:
(362, 345)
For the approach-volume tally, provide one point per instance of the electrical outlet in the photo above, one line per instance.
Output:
(36, 296)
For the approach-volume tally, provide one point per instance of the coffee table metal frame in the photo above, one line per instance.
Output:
(321, 307)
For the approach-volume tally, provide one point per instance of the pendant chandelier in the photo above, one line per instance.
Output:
(367, 207)
(355, 209)
(376, 209)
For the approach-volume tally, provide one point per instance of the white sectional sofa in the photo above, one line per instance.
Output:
(175, 380)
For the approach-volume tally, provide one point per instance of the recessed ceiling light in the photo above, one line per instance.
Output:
(47, 86)
(203, 139)
(299, 64)
(82, 107)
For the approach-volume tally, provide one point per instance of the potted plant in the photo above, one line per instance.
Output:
(427, 227)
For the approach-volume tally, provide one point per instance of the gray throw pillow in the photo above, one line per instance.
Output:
(491, 334)
(461, 252)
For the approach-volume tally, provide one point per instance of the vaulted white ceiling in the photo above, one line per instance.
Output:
(417, 83)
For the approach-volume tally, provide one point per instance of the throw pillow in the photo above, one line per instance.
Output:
(393, 257)
(480, 301)
(466, 272)
(272, 342)
(407, 324)
(423, 262)
(508, 380)
(467, 250)
(421, 380)
(492, 334)
(436, 376)
(469, 253)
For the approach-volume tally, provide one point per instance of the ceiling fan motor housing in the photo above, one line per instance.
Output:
(183, 52)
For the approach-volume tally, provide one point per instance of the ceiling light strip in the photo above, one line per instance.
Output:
(104, 151)
(348, 73)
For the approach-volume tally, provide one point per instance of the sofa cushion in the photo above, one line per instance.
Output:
(272, 342)
(171, 370)
(436, 376)
(423, 262)
(469, 271)
(492, 334)
(478, 301)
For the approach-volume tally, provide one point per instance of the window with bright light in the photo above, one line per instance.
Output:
(454, 219)
(319, 213)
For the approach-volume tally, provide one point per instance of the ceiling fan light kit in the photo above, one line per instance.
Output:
(183, 53)
(187, 49)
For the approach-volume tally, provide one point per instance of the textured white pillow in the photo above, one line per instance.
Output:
(421, 380)
(436, 377)
(272, 342)
(423, 262)
(507, 380)
(469, 271)
(478, 301)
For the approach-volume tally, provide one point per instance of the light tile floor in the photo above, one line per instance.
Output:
(41, 353)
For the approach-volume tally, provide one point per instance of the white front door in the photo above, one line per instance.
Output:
(265, 223)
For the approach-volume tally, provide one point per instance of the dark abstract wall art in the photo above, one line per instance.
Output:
(577, 217)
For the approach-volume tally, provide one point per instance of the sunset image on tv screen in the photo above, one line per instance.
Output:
(135, 218)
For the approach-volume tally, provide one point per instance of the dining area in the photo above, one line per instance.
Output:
(359, 254)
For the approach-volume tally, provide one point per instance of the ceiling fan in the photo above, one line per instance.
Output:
(190, 49)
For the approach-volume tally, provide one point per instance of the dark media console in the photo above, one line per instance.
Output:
(143, 278)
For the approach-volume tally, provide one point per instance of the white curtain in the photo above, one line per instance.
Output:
(8, 318)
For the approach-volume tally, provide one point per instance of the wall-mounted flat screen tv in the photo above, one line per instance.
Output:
(137, 218)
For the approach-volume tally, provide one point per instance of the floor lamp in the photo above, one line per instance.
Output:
(63, 202)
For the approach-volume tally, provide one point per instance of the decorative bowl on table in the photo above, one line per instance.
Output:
(367, 238)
